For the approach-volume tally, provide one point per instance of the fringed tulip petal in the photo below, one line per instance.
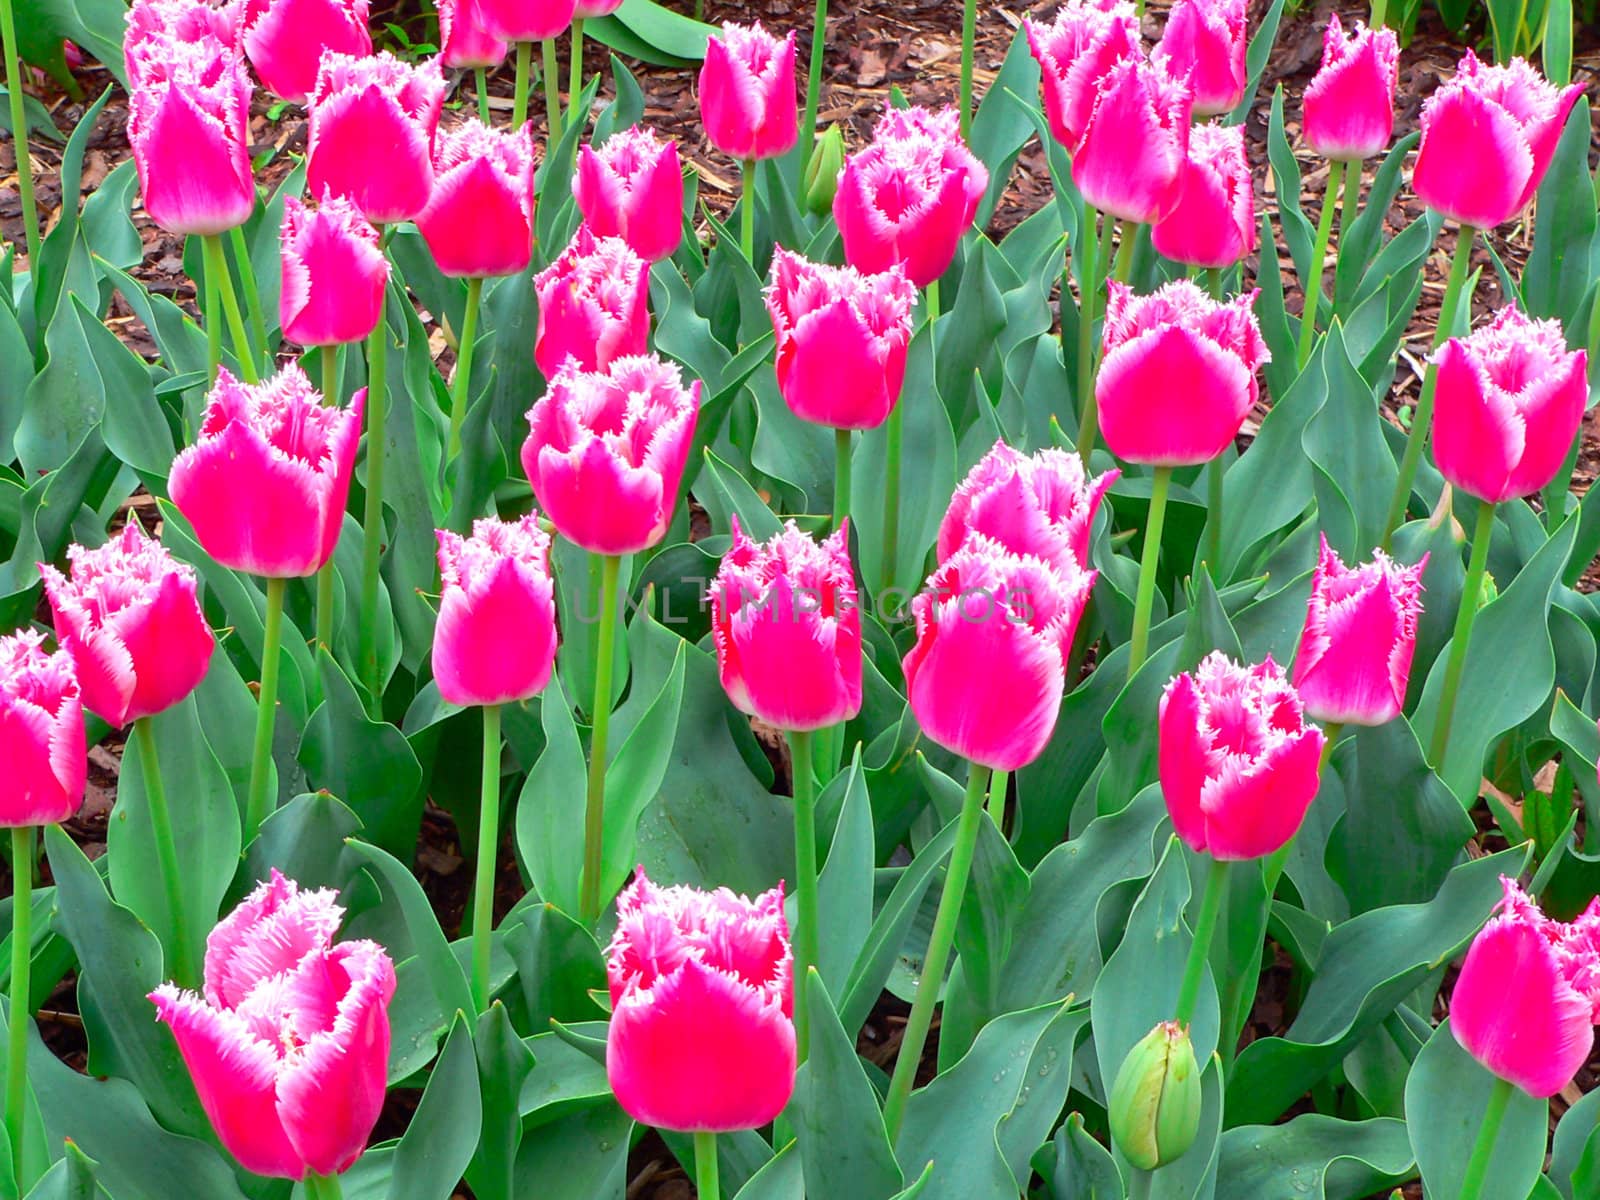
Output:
(41, 733)
(479, 220)
(631, 187)
(464, 40)
(334, 273)
(747, 93)
(1074, 55)
(286, 39)
(525, 20)
(1129, 162)
(1349, 105)
(1214, 223)
(593, 305)
(1204, 42)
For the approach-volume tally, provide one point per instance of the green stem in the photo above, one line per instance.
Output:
(997, 799)
(259, 804)
(1205, 929)
(747, 211)
(1279, 858)
(372, 521)
(595, 802)
(552, 92)
(461, 390)
(519, 95)
(481, 78)
(808, 126)
(1465, 615)
(1422, 419)
(323, 1187)
(217, 264)
(805, 883)
(1088, 289)
(252, 293)
(1144, 601)
(330, 395)
(1319, 252)
(944, 934)
(1214, 472)
(1125, 245)
(211, 312)
(1214, 282)
(575, 66)
(1139, 1183)
(707, 1186)
(19, 133)
(166, 852)
(894, 436)
(1380, 11)
(969, 34)
(17, 1016)
(841, 476)
(488, 846)
(1494, 1114)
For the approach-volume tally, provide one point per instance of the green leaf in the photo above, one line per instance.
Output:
(438, 1144)
(576, 1157)
(844, 886)
(35, 116)
(783, 1178)
(558, 964)
(66, 399)
(1354, 470)
(646, 30)
(550, 808)
(999, 130)
(1327, 1158)
(1082, 1168)
(71, 1178)
(1558, 272)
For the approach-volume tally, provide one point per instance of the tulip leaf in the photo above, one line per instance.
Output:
(550, 808)
(564, 1078)
(1297, 228)
(1076, 1167)
(579, 1156)
(1353, 471)
(1558, 273)
(1361, 233)
(783, 1178)
(1327, 1158)
(438, 1144)
(999, 129)
(71, 1178)
(844, 886)
(558, 965)
(1575, 1149)
(307, 840)
(67, 398)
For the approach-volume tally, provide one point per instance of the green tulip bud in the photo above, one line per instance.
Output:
(822, 171)
(1155, 1101)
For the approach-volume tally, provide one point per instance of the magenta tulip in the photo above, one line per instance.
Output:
(1488, 137)
(334, 273)
(987, 673)
(154, 25)
(632, 188)
(1239, 763)
(288, 1047)
(373, 122)
(908, 198)
(593, 305)
(702, 992)
(788, 629)
(606, 452)
(589, 9)
(464, 41)
(1204, 42)
(41, 733)
(1130, 161)
(1039, 506)
(1214, 223)
(495, 642)
(285, 40)
(1349, 106)
(842, 339)
(130, 617)
(525, 20)
(1179, 373)
(1528, 997)
(747, 93)
(276, 445)
(479, 220)
(1075, 53)
(1510, 398)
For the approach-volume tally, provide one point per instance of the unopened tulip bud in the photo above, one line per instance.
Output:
(1155, 1101)
(822, 172)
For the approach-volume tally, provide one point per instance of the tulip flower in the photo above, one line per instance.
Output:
(584, 10)
(589, 9)
(1130, 161)
(153, 26)
(747, 93)
(1038, 506)
(372, 127)
(593, 305)
(631, 187)
(286, 39)
(819, 183)
(479, 219)
(1214, 223)
(1204, 42)
(525, 20)
(464, 40)
(41, 736)
(1349, 105)
(334, 273)
(1087, 39)
(1354, 661)
(288, 1045)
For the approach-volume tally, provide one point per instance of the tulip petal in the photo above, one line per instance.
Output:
(1185, 760)
(496, 644)
(1171, 397)
(1461, 127)
(1251, 813)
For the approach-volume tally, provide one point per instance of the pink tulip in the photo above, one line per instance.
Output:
(266, 481)
(606, 451)
(788, 629)
(1130, 161)
(1179, 373)
(189, 128)
(1487, 139)
(1509, 400)
(910, 196)
(1086, 41)
(526, 20)
(285, 40)
(154, 25)
(131, 620)
(373, 122)
(1349, 106)
(334, 273)
(702, 992)
(987, 673)
(464, 42)
(842, 339)
(479, 221)
(495, 642)
(1204, 42)
(589, 9)
(632, 188)
(1354, 661)
(1214, 224)
(593, 305)
(747, 93)
(1039, 506)
(1239, 764)
(41, 733)
(289, 1046)
(1528, 997)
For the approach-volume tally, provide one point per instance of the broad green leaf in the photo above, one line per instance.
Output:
(1081, 1168)
(1354, 472)
(558, 965)
(430, 1159)
(577, 1157)
(71, 1178)
(1328, 1159)
(844, 885)
(550, 808)
(1575, 1149)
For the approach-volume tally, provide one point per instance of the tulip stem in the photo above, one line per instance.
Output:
(211, 312)
(747, 211)
(969, 37)
(19, 136)
(1380, 12)
(1205, 929)
(259, 803)
(997, 799)
(1089, 285)
(1494, 1113)
(330, 395)
(909, 1056)
(1422, 418)
(894, 434)
(372, 523)
(217, 264)
(808, 125)
(1319, 252)
(552, 92)
(1214, 472)
(252, 293)
(1465, 615)
(323, 1187)
(17, 1016)
(1144, 601)
(575, 67)
(519, 96)
(805, 883)
(166, 851)
(707, 1185)
(488, 846)
(1125, 248)
(595, 802)
(460, 392)
(481, 78)
(841, 477)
